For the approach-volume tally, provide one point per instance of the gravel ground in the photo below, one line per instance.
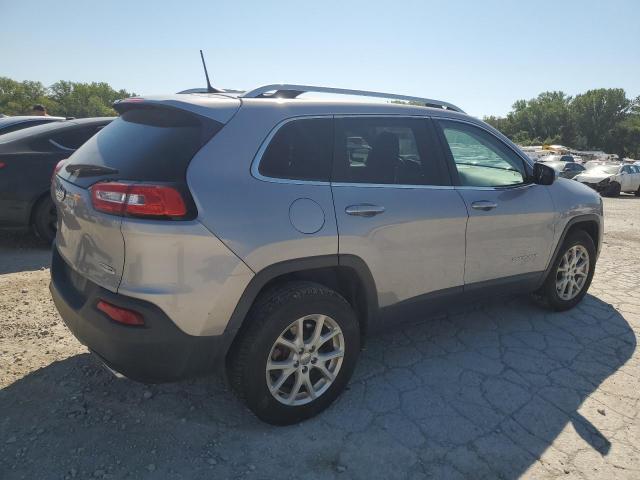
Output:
(501, 389)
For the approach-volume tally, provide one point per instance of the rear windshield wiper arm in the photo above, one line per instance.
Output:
(87, 170)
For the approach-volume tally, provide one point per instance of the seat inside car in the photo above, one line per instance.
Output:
(383, 158)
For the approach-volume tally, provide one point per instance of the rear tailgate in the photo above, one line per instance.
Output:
(151, 143)
(90, 242)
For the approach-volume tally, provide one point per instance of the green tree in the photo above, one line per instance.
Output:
(70, 99)
(597, 114)
(17, 98)
(85, 99)
(603, 119)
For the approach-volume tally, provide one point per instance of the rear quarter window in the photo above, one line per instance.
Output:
(300, 150)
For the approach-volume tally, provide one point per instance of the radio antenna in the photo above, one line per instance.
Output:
(210, 89)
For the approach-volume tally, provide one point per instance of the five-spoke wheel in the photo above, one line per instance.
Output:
(297, 353)
(305, 359)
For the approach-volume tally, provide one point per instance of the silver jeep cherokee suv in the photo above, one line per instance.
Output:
(270, 234)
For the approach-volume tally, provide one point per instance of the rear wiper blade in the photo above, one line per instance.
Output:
(87, 170)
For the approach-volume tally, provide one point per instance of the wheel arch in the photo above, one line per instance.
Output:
(346, 274)
(589, 223)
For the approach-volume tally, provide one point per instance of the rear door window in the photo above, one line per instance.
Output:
(300, 150)
(386, 150)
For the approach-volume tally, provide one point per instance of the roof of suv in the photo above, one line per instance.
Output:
(222, 106)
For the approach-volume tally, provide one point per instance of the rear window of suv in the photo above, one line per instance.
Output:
(145, 144)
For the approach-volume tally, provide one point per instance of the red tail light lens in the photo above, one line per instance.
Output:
(137, 200)
(120, 315)
(57, 168)
(155, 200)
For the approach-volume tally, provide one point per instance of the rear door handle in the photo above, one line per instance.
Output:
(364, 210)
(484, 205)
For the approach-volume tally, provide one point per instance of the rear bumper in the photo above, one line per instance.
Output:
(156, 352)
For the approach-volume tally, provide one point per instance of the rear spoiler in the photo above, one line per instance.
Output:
(219, 108)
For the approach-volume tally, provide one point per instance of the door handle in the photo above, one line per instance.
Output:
(364, 210)
(484, 205)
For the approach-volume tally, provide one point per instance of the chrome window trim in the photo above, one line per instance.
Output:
(255, 164)
(394, 185)
(501, 188)
(61, 147)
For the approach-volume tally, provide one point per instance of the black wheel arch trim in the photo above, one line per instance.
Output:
(584, 218)
(264, 276)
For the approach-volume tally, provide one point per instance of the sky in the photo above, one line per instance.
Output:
(480, 55)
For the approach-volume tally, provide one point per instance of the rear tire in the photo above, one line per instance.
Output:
(44, 219)
(271, 357)
(571, 273)
(637, 193)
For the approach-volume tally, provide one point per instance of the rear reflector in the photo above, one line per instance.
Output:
(120, 315)
(137, 200)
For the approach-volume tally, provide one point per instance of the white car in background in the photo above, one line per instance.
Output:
(611, 180)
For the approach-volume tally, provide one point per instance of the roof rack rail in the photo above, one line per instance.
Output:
(284, 90)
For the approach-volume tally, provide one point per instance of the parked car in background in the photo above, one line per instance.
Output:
(566, 169)
(11, 124)
(556, 158)
(201, 231)
(27, 160)
(596, 163)
(612, 179)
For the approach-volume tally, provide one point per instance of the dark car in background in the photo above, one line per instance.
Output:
(27, 160)
(566, 169)
(12, 124)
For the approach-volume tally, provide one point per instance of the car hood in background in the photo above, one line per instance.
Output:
(594, 177)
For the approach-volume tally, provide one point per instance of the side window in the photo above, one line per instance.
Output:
(72, 138)
(300, 150)
(21, 125)
(481, 159)
(385, 150)
(626, 169)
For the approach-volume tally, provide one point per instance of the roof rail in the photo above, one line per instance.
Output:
(284, 90)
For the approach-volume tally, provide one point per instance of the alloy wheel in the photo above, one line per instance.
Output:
(572, 272)
(305, 359)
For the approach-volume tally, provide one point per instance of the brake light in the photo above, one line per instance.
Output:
(120, 315)
(2, 164)
(138, 200)
(57, 168)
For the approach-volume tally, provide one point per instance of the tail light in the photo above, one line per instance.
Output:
(2, 164)
(139, 200)
(57, 168)
(120, 315)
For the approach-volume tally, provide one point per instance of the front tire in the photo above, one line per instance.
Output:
(297, 354)
(571, 273)
(44, 219)
(613, 190)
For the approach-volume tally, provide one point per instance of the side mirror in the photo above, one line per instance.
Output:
(543, 174)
